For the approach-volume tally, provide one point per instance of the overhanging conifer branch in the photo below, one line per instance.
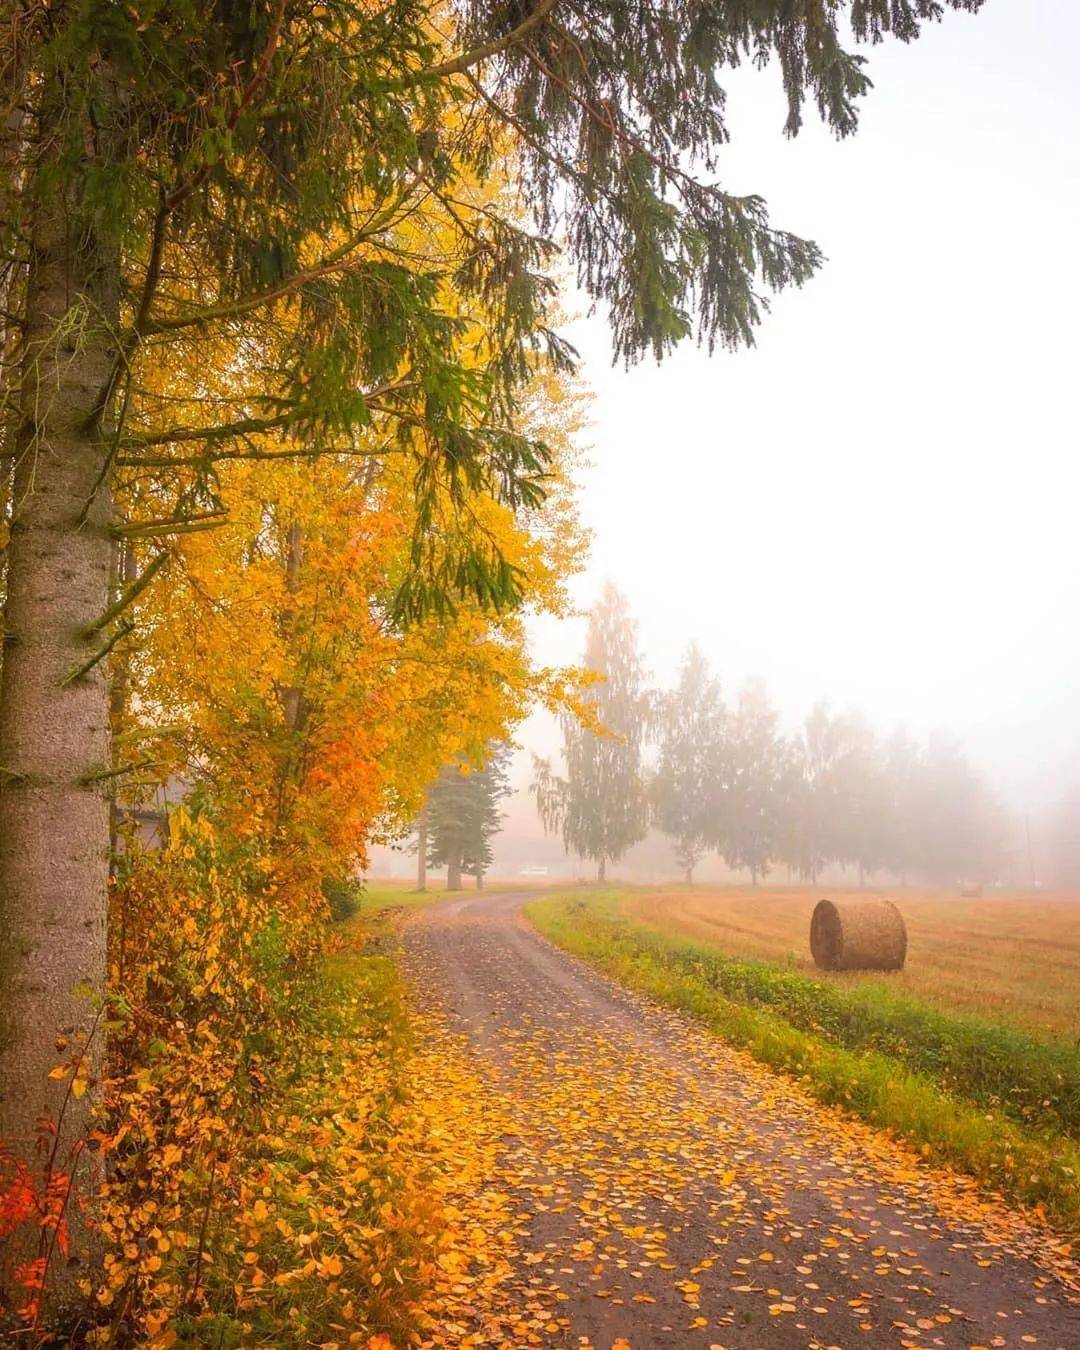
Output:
(155, 529)
(244, 426)
(457, 65)
(129, 594)
(342, 259)
(217, 456)
(102, 775)
(123, 628)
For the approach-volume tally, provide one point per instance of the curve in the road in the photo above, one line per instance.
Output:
(676, 1193)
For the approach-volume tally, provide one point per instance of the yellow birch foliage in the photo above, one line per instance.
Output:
(272, 1173)
(273, 1177)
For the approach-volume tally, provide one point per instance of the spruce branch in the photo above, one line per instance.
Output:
(340, 260)
(129, 594)
(123, 628)
(243, 426)
(103, 775)
(457, 65)
(157, 529)
(216, 456)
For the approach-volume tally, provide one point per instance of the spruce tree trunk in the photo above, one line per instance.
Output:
(11, 284)
(54, 737)
(601, 870)
(453, 873)
(479, 880)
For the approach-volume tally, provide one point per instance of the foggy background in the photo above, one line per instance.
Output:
(877, 504)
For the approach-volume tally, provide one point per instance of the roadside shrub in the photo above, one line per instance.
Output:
(343, 895)
(263, 1158)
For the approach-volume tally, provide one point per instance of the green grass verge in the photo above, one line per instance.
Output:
(1033, 1080)
(382, 905)
(893, 1061)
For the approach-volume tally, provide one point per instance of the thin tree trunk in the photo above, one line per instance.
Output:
(54, 733)
(292, 698)
(601, 870)
(293, 704)
(479, 880)
(453, 873)
(421, 851)
(124, 574)
(5, 509)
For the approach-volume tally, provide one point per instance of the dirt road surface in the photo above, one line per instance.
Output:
(672, 1192)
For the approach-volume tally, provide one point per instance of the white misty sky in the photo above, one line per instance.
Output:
(879, 502)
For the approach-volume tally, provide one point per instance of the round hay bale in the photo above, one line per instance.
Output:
(970, 890)
(858, 935)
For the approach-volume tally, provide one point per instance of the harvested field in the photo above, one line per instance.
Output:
(1012, 957)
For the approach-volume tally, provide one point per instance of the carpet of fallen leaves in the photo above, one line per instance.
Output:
(626, 1179)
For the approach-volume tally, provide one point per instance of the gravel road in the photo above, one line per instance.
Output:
(673, 1192)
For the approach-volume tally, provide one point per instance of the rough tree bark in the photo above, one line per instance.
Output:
(54, 731)
(12, 269)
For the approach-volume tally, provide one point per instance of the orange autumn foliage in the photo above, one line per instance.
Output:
(266, 1169)
(220, 1055)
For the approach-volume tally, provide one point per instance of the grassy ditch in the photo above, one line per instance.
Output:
(980, 1096)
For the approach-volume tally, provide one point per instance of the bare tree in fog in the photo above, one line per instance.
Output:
(1065, 841)
(960, 827)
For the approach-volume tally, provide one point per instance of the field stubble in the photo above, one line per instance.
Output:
(1014, 958)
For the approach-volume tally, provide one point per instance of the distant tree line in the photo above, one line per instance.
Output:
(1064, 841)
(725, 778)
